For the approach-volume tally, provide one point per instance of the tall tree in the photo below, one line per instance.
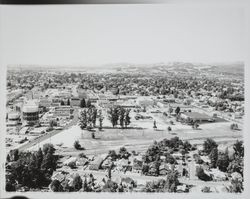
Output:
(113, 116)
(177, 110)
(39, 158)
(208, 145)
(127, 117)
(214, 157)
(100, 122)
(62, 103)
(68, 102)
(122, 116)
(88, 104)
(82, 103)
(238, 149)
(83, 119)
(223, 161)
(94, 116)
(56, 186)
(77, 183)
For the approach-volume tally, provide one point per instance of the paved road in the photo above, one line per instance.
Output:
(50, 134)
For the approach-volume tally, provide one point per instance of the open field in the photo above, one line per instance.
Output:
(138, 137)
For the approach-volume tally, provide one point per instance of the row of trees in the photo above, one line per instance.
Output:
(63, 103)
(84, 104)
(88, 117)
(30, 169)
(119, 115)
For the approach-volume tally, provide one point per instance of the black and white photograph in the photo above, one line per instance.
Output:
(138, 98)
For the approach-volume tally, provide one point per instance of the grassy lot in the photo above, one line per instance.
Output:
(138, 136)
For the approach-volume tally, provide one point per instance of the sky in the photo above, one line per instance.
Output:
(102, 34)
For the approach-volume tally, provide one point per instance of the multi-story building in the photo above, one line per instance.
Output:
(30, 112)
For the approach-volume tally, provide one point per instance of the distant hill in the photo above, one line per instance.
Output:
(236, 68)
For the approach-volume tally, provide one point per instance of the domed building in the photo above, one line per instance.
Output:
(30, 113)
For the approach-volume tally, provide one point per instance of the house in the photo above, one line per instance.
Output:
(122, 164)
(107, 163)
(218, 175)
(153, 170)
(69, 161)
(24, 131)
(128, 182)
(81, 161)
(39, 130)
(181, 188)
(58, 176)
(164, 169)
(137, 165)
(96, 163)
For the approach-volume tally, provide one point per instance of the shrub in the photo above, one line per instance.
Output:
(202, 175)
(56, 186)
(77, 145)
(206, 189)
(77, 183)
(72, 165)
(82, 155)
(208, 145)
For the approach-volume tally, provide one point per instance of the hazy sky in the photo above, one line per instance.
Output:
(121, 33)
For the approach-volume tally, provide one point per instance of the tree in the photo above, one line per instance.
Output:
(187, 146)
(100, 122)
(83, 119)
(49, 163)
(214, 157)
(113, 115)
(14, 154)
(122, 116)
(202, 175)
(56, 186)
(8, 158)
(208, 145)
(170, 110)
(171, 182)
(77, 183)
(236, 166)
(68, 102)
(239, 149)
(88, 104)
(127, 117)
(82, 103)
(94, 116)
(155, 127)
(39, 158)
(236, 186)
(48, 148)
(113, 155)
(77, 145)
(177, 110)
(82, 155)
(62, 103)
(123, 153)
(109, 170)
(223, 161)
